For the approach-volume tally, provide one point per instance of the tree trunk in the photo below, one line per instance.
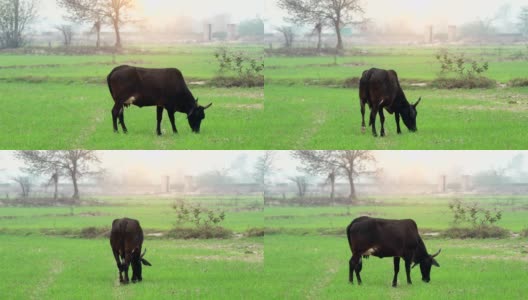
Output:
(98, 30)
(352, 188)
(318, 40)
(74, 180)
(118, 35)
(56, 192)
(339, 45)
(332, 191)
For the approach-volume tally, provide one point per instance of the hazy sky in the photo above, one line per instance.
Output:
(153, 164)
(418, 13)
(163, 11)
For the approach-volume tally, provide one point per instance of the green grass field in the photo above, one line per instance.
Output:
(307, 253)
(48, 260)
(62, 102)
(308, 109)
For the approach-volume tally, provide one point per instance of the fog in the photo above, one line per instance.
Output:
(158, 14)
(415, 14)
(148, 166)
(425, 166)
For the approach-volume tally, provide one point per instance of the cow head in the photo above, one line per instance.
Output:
(426, 264)
(137, 262)
(196, 116)
(409, 115)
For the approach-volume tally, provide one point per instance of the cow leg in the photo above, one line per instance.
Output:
(408, 270)
(362, 105)
(118, 262)
(125, 266)
(359, 266)
(122, 119)
(160, 116)
(382, 119)
(170, 112)
(115, 114)
(372, 121)
(396, 270)
(397, 115)
(352, 263)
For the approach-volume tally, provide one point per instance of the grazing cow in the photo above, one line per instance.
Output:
(381, 89)
(388, 238)
(126, 239)
(164, 88)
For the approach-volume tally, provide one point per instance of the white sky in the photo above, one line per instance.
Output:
(419, 13)
(162, 11)
(153, 164)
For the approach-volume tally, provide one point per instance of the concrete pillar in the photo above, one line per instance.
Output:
(466, 183)
(442, 184)
(165, 184)
(451, 33)
(428, 34)
(231, 32)
(208, 32)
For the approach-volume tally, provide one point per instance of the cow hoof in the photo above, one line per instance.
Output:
(116, 131)
(159, 133)
(125, 131)
(382, 134)
(374, 134)
(363, 129)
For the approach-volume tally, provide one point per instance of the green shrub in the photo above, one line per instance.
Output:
(254, 231)
(232, 81)
(202, 232)
(524, 232)
(463, 83)
(92, 232)
(518, 82)
(477, 232)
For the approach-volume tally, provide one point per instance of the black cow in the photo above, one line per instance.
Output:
(388, 238)
(126, 239)
(164, 88)
(381, 89)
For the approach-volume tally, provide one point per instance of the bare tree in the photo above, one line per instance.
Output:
(86, 11)
(42, 162)
(337, 13)
(72, 163)
(263, 168)
(523, 21)
(305, 12)
(98, 12)
(321, 162)
(302, 185)
(288, 34)
(25, 184)
(15, 16)
(347, 163)
(67, 33)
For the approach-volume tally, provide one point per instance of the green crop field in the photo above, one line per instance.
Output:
(307, 253)
(49, 260)
(62, 102)
(308, 108)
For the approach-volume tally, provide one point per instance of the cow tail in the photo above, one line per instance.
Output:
(348, 235)
(108, 82)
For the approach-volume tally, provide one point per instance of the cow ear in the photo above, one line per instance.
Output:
(196, 100)
(145, 262)
(435, 263)
(417, 102)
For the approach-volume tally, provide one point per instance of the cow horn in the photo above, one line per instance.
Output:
(208, 105)
(196, 100)
(434, 255)
(144, 251)
(417, 102)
